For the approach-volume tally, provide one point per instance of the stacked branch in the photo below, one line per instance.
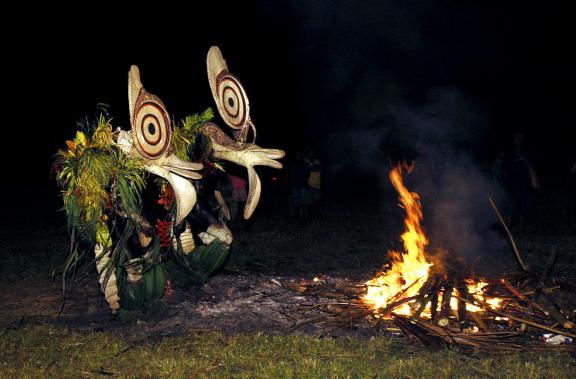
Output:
(532, 304)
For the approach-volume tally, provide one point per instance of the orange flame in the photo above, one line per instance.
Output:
(476, 290)
(409, 270)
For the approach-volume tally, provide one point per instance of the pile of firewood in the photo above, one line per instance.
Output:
(533, 304)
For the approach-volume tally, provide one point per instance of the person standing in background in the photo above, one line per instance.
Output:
(315, 181)
(520, 181)
(238, 200)
(301, 194)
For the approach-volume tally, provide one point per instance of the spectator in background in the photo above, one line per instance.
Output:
(520, 181)
(315, 180)
(238, 198)
(301, 194)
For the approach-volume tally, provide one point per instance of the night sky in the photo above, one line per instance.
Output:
(360, 82)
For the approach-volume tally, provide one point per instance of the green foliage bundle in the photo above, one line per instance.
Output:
(91, 173)
(184, 136)
(94, 177)
(101, 189)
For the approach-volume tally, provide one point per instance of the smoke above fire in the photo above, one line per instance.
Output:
(380, 79)
(452, 174)
(444, 134)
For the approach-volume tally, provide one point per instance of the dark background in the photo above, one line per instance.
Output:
(361, 82)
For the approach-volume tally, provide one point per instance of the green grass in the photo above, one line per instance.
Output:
(46, 351)
(29, 255)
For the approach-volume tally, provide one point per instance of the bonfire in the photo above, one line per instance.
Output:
(440, 303)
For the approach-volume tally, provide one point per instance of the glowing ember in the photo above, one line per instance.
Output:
(476, 289)
(409, 270)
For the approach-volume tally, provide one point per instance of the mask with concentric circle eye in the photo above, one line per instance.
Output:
(149, 118)
(149, 142)
(229, 95)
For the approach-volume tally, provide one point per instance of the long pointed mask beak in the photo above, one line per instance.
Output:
(247, 155)
(234, 108)
(176, 172)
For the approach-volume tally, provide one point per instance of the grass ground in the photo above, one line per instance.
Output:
(44, 351)
(356, 247)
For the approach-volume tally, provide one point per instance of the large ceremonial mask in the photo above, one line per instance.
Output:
(103, 172)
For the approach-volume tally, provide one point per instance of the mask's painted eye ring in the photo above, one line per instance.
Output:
(149, 127)
(233, 100)
(230, 101)
(152, 129)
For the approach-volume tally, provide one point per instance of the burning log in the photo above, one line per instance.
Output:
(444, 319)
(427, 292)
(479, 313)
(434, 306)
(478, 320)
(401, 294)
(518, 319)
(463, 291)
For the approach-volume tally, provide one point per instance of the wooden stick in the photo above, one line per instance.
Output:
(550, 306)
(518, 319)
(542, 281)
(545, 290)
(564, 283)
(522, 297)
(399, 294)
(478, 320)
(390, 307)
(414, 328)
(545, 274)
(462, 291)
(445, 307)
(518, 257)
(424, 295)
(434, 306)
